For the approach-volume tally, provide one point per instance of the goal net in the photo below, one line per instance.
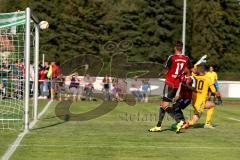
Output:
(17, 41)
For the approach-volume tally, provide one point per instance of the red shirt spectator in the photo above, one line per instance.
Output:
(42, 74)
(55, 70)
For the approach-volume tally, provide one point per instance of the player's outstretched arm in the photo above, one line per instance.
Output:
(202, 60)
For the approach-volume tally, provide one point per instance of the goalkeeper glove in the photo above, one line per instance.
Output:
(202, 60)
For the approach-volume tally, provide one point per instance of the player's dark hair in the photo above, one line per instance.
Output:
(211, 65)
(179, 45)
(58, 63)
(190, 66)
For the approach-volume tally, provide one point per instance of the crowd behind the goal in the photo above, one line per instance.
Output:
(53, 84)
(62, 87)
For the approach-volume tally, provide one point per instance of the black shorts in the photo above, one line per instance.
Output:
(182, 103)
(169, 93)
(106, 86)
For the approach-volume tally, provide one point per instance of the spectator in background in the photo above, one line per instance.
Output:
(15, 69)
(4, 73)
(106, 88)
(60, 87)
(21, 79)
(136, 89)
(44, 81)
(53, 74)
(47, 80)
(6, 43)
(116, 90)
(16, 73)
(67, 83)
(22, 69)
(146, 89)
(88, 88)
(122, 84)
(2, 90)
(74, 86)
(31, 71)
(214, 78)
(41, 78)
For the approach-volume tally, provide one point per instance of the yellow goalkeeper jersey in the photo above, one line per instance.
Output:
(201, 83)
(213, 76)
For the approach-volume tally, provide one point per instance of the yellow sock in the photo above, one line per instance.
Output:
(209, 115)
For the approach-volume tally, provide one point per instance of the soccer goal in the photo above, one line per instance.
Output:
(19, 53)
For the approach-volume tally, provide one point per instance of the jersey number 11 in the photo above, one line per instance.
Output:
(179, 68)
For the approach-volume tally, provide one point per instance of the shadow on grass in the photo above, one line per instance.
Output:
(66, 119)
(201, 125)
(63, 108)
(168, 129)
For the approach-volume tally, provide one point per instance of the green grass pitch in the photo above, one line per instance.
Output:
(122, 135)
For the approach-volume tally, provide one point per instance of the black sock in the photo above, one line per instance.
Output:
(161, 116)
(179, 115)
(176, 115)
(219, 99)
(171, 112)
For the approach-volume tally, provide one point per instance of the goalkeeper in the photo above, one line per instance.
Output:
(201, 85)
(214, 78)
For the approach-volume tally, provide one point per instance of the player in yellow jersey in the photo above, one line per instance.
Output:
(201, 85)
(214, 78)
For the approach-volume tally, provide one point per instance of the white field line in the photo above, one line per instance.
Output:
(32, 124)
(10, 119)
(133, 146)
(17, 142)
(234, 119)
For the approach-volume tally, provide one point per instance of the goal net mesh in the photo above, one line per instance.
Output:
(12, 77)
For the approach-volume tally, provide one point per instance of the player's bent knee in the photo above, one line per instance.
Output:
(209, 105)
(164, 104)
(217, 93)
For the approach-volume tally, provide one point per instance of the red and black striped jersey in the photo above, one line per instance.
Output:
(176, 65)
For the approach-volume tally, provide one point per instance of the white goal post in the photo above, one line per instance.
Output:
(30, 16)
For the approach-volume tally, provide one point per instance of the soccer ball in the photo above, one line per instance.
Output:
(43, 24)
(174, 126)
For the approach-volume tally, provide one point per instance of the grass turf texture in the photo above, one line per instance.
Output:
(122, 134)
(8, 136)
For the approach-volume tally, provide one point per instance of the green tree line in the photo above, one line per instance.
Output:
(150, 26)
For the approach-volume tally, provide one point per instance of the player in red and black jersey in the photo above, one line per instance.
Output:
(174, 70)
(175, 66)
(185, 96)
